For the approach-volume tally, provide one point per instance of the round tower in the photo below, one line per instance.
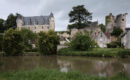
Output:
(19, 22)
(52, 21)
(121, 21)
(110, 22)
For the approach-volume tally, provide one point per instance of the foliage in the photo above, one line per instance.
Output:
(96, 52)
(2, 28)
(107, 20)
(1, 41)
(13, 42)
(82, 42)
(79, 17)
(124, 53)
(115, 44)
(46, 74)
(102, 27)
(117, 31)
(11, 21)
(48, 42)
(29, 38)
(62, 32)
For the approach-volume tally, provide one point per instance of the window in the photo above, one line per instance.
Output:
(122, 19)
(42, 27)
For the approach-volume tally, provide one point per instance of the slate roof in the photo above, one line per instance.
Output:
(94, 24)
(38, 20)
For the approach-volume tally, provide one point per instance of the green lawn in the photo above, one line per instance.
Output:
(45, 74)
(98, 52)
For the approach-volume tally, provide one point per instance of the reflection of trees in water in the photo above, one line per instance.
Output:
(90, 66)
(11, 63)
(28, 62)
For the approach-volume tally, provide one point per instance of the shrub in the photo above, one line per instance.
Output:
(124, 53)
(117, 31)
(115, 44)
(48, 42)
(13, 43)
(82, 42)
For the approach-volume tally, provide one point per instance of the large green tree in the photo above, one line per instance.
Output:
(103, 28)
(13, 42)
(79, 17)
(1, 41)
(11, 21)
(2, 28)
(29, 38)
(48, 42)
(82, 42)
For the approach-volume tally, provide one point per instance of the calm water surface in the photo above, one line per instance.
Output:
(87, 65)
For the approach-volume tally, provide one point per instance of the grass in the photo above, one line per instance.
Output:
(31, 54)
(45, 74)
(96, 52)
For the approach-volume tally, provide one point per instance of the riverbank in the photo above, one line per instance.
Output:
(45, 74)
(96, 52)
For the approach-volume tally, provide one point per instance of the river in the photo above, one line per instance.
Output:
(88, 65)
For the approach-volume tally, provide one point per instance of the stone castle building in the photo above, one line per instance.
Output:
(95, 33)
(118, 21)
(36, 23)
(103, 38)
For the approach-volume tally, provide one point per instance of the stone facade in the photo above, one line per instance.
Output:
(95, 33)
(127, 46)
(36, 23)
(118, 21)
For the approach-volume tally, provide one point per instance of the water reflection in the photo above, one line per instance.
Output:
(92, 66)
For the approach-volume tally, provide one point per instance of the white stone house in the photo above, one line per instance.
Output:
(102, 40)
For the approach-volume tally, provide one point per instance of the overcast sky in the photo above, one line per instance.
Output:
(61, 8)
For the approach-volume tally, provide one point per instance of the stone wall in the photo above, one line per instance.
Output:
(127, 46)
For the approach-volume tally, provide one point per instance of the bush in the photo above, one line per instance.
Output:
(82, 42)
(48, 42)
(31, 50)
(124, 53)
(13, 43)
(117, 31)
(115, 44)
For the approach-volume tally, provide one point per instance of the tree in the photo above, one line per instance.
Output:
(102, 28)
(13, 43)
(29, 37)
(117, 31)
(1, 42)
(48, 42)
(11, 21)
(82, 42)
(2, 28)
(79, 17)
